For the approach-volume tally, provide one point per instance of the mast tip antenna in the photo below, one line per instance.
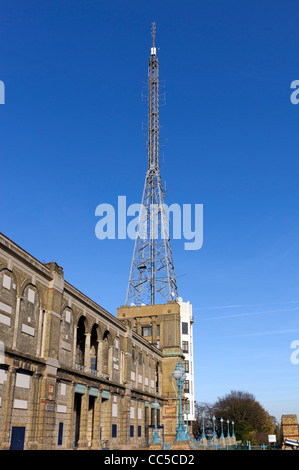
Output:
(153, 37)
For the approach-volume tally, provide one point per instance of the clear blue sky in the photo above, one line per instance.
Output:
(71, 138)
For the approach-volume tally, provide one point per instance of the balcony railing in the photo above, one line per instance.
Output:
(96, 373)
(80, 367)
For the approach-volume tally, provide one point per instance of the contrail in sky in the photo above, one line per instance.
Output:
(265, 333)
(243, 305)
(234, 315)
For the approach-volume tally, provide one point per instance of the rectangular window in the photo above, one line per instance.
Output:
(186, 386)
(22, 380)
(146, 331)
(6, 281)
(114, 410)
(6, 308)
(186, 366)
(60, 433)
(20, 404)
(184, 328)
(114, 430)
(31, 295)
(158, 330)
(131, 431)
(68, 316)
(185, 347)
(139, 431)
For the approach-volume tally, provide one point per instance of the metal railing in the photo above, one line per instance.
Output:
(96, 373)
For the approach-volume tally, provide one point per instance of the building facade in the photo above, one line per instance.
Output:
(72, 375)
(187, 321)
(289, 427)
(169, 327)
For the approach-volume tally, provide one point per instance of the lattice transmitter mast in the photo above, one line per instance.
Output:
(152, 277)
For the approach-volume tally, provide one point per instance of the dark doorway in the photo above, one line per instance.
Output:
(94, 349)
(77, 409)
(91, 417)
(146, 423)
(80, 346)
(17, 438)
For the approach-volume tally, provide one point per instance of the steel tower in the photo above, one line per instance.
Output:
(152, 277)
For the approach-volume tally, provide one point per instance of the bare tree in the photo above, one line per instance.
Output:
(203, 414)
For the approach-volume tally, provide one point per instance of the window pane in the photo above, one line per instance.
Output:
(60, 433)
(184, 328)
(114, 430)
(146, 331)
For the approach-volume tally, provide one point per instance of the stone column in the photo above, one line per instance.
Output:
(135, 423)
(71, 418)
(99, 357)
(110, 361)
(16, 323)
(97, 422)
(123, 419)
(39, 331)
(32, 442)
(75, 346)
(154, 330)
(82, 443)
(8, 407)
(138, 326)
(41, 419)
(87, 352)
(106, 419)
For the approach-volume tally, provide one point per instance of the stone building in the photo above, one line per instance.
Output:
(71, 373)
(289, 427)
(169, 328)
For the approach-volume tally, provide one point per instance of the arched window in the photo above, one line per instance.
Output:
(80, 344)
(94, 349)
(8, 296)
(105, 353)
(28, 319)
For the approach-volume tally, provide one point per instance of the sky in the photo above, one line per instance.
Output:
(72, 137)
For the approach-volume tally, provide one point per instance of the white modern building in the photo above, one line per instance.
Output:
(187, 346)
